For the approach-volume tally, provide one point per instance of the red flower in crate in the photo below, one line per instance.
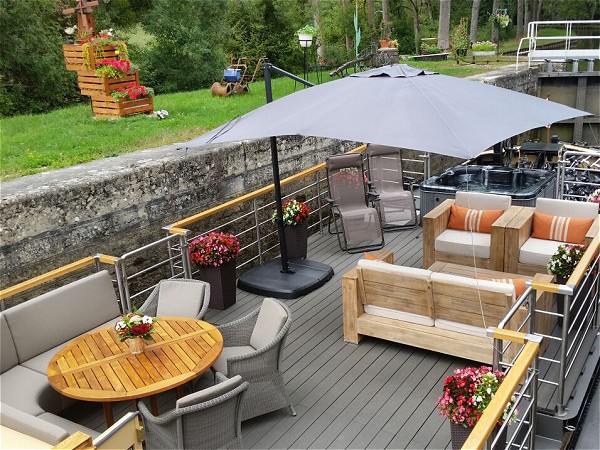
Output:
(132, 91)
(113, 68)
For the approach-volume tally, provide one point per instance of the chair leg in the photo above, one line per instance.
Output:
(292, 410)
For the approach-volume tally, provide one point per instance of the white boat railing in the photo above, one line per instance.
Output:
(564, 47)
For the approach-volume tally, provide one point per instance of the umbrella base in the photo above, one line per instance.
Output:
(268, 280)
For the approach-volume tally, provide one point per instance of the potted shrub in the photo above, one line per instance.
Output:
(306, 33)
(466, 395)
(295, 222)
(561, 265)
(459, 38)
(595, 197)
(214, 255)
(500, 18)
(483, 48)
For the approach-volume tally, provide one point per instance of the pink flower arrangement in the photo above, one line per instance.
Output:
(113, 68)
(595, 197)
(214, 249)
(132, 91)
(468, 392)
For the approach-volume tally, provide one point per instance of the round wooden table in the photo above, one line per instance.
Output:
(97, 367)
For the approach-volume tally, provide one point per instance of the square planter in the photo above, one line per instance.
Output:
(74, 59)
(107, 106)
(222, 284)
(91, 84)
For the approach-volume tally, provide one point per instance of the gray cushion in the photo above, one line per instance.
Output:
(8, 356)
(31, 425)
(180, 298)
(269, 322)
(29, 391)
(68, 425)
(209, 393)
(51, 319)
(220, 364)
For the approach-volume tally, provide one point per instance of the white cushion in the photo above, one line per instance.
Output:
(488, 285)
(68, 425)
(180, 298)
(392, 268)
(538, 251)
(271, 318)
(8, 352)
(399, 315)
(220, 364)
(466, 243)
(31, 425)
(209, 393)
(461, 327)
(479, 200)
(566, 208)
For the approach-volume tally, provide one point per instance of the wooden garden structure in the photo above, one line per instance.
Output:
(81, 58)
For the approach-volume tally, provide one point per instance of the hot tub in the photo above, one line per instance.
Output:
(523, 185)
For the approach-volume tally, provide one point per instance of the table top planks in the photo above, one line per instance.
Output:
(97, 367)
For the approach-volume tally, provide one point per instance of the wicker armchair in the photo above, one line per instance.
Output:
(181, 297)
(205, 419)
(253, 346)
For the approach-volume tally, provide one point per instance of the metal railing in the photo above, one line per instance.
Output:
(573, 337)
(520, 387)
(564, 45)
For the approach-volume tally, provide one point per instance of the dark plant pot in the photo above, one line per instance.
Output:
(459, 435)
(461, 52)
(296, 240)
(222, 284)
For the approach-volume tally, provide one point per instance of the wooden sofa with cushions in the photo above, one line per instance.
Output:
(527, 252)
(30, 335)
(435, 309)
(447, 236)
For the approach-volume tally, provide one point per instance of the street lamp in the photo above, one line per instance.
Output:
(306, 41)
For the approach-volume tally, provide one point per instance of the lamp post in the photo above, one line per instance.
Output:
(306, 41)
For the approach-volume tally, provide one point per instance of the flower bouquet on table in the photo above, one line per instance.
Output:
(566, 258)
(135, 325)
(294, 213)
(466, 395)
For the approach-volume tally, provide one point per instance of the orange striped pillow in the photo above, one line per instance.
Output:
(563, 229)
(478, 220)
(519, 283)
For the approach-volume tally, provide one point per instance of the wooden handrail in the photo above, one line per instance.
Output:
(180, 225)
(53, 274)
(482, 430)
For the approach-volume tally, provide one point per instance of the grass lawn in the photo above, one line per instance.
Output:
(36, 143)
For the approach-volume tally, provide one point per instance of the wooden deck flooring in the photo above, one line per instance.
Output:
(377, 394)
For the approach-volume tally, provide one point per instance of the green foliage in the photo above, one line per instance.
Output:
(187, 52)
(33, 75)
(459, 36)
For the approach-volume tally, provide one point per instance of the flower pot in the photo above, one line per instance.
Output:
(296, 240)
(222, 284)
(136, 345)
(459, 435)
(484, 53)
(461, 52)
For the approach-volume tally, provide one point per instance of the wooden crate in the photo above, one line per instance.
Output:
(91, 84)
(107, 106)
(74, 60)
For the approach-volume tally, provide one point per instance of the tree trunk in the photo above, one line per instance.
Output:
(495, 26)
(371, 19)
(444, 25)
(414, 6)
(474, 20)
(520, 28)
(429, 10)
(320, 43)
(538, 12)
(347, 37)
(386, 25)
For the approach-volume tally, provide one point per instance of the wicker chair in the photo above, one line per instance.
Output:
(205, 419)
(181, 297)
(253, 346)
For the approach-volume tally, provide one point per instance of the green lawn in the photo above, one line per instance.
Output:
(36, 143)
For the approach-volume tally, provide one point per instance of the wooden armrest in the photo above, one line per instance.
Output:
(498, 237)
(516, 232)
(593, 231)
(443, 209)
(352, 306)
(434, 223)
(508, 216)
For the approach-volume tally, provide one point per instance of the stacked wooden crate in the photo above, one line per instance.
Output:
(100, 87)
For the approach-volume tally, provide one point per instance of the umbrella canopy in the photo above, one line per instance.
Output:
(400, 106)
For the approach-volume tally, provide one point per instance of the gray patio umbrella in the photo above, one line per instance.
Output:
(397, 105)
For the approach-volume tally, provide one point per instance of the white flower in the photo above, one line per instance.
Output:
(147, 319)
(489, 390)
(135, 319)
(120, 325)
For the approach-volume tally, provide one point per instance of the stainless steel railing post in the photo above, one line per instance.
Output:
(257, 228)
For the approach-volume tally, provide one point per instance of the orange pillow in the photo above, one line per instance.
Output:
(478, 220)
(563, 229)
(519, 283)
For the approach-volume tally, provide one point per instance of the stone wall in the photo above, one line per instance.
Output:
(115, 205)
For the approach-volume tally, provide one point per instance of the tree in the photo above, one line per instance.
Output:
(520, 28)
(187, 52)
(414, 6)
(474, 20)
(32, 69)
(495, 27)
(444, 25)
